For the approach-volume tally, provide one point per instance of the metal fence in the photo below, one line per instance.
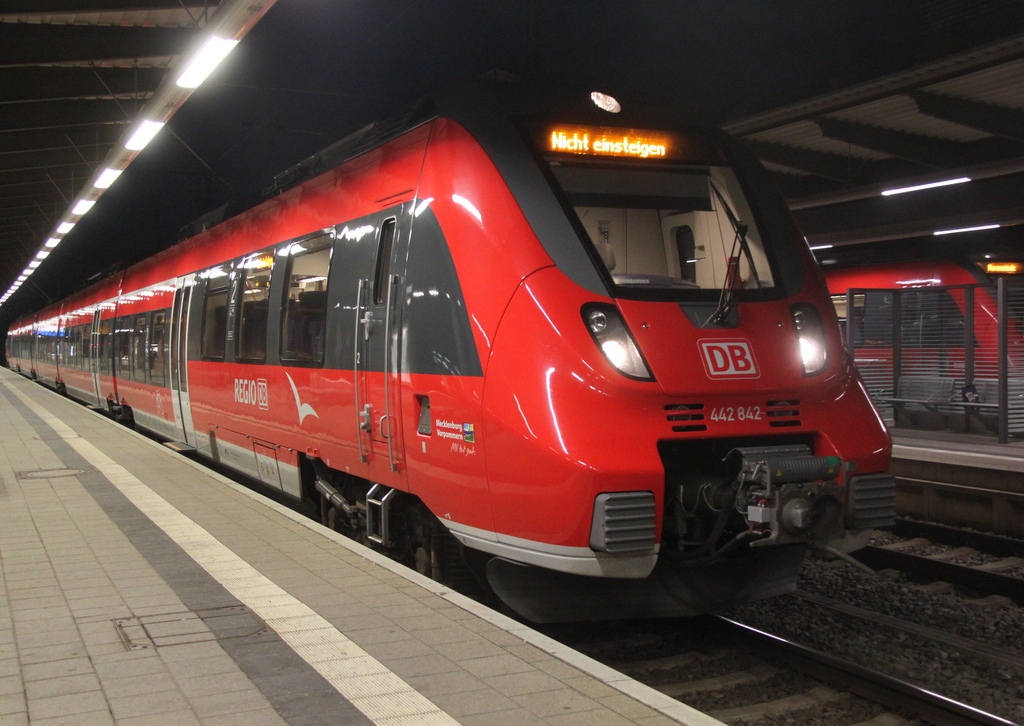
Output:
(941, 357)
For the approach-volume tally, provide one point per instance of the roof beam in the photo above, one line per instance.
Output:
(53, 7)
(987, 117)
(50, 83)
(819, 163)
(27, 44)
(64, 114)
(920, 149)
(32, 140)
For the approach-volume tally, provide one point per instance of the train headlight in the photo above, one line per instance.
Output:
(811, 333)
(613, 338)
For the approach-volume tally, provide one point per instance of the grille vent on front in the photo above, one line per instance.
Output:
(623, 522)
(783, 414)
(685, 417)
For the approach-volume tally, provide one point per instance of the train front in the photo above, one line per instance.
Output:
(671, 419)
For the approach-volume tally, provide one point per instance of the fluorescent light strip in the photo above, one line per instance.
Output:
(107, 178)
(83, 206)
(822, 247)
(52, 242)
(144, 135)
(967, 229)
(203, 64)
(919, 187)
(65, 227)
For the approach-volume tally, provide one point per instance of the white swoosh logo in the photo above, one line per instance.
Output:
(304, 408)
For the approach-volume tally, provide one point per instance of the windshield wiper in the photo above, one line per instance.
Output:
(727, 299)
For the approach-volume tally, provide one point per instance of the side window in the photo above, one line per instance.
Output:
(686, 248)
(380, 279)
(215, 314)
(103, 343)
(157, 354)
(85, 347)
(305, 304)
(123, 347)
(139, 349)
(251, 340)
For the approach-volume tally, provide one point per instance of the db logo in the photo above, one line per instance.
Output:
(728, 358)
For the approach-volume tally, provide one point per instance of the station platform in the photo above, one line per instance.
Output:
(139, 588)
(957, 449)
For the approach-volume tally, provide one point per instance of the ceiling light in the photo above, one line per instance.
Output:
(83, 206)
(606, 102)
(22, 278)
(42, 254)
(919, 187)
(822, 247)
(35, 263)
(65, 227)
(143, 135)
(52, 242)
(966, 229)
(208, 58)
(107, 178)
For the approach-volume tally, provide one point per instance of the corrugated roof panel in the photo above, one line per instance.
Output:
(900, 114)
(807, 135)
(1002, 85)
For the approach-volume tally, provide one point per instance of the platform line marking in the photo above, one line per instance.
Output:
(344, 665)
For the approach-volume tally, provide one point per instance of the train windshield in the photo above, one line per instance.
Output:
(668, 228)
(664, 211)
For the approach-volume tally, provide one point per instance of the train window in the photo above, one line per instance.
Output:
(215, 314)
(86, 347)
(123, 346)
(157, 355)
(380, 279)
(668, 229)
(103, 343)
(305, 312)
(251, 339)
(139, 349)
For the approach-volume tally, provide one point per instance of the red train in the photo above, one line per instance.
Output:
(584, 354)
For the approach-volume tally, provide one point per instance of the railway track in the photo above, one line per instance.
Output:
(744, 676)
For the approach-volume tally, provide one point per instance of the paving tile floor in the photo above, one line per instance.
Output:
(127, 597)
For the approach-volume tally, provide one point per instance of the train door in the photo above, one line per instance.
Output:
(378, 333)
(179, 359)
(93, 360)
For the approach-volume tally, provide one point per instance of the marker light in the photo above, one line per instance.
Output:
(811, 334)
(919, 187)
(107, 178)
(613, 338)
(144, 135)
(203, 64)
(83, 206)
(65, 227)
(605, 102)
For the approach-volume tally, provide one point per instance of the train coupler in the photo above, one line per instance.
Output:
(788, 495)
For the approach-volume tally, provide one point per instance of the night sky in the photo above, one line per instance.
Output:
(312, 71)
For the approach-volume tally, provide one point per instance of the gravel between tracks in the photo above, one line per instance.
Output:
(978, 681)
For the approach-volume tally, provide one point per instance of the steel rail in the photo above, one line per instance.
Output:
(878, 687)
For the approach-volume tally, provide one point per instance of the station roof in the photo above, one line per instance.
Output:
(958, 117)
(76, 75)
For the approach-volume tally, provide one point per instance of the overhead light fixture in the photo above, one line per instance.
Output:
(203, 64)
(919, 187)
(605, 102)
(22, 278)
(822, 247)
(65, 227)
(83, 206)
(143, 135)
(35, 263)
(107, 178)
(42, 254)
(52, 242)
(967, 229)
